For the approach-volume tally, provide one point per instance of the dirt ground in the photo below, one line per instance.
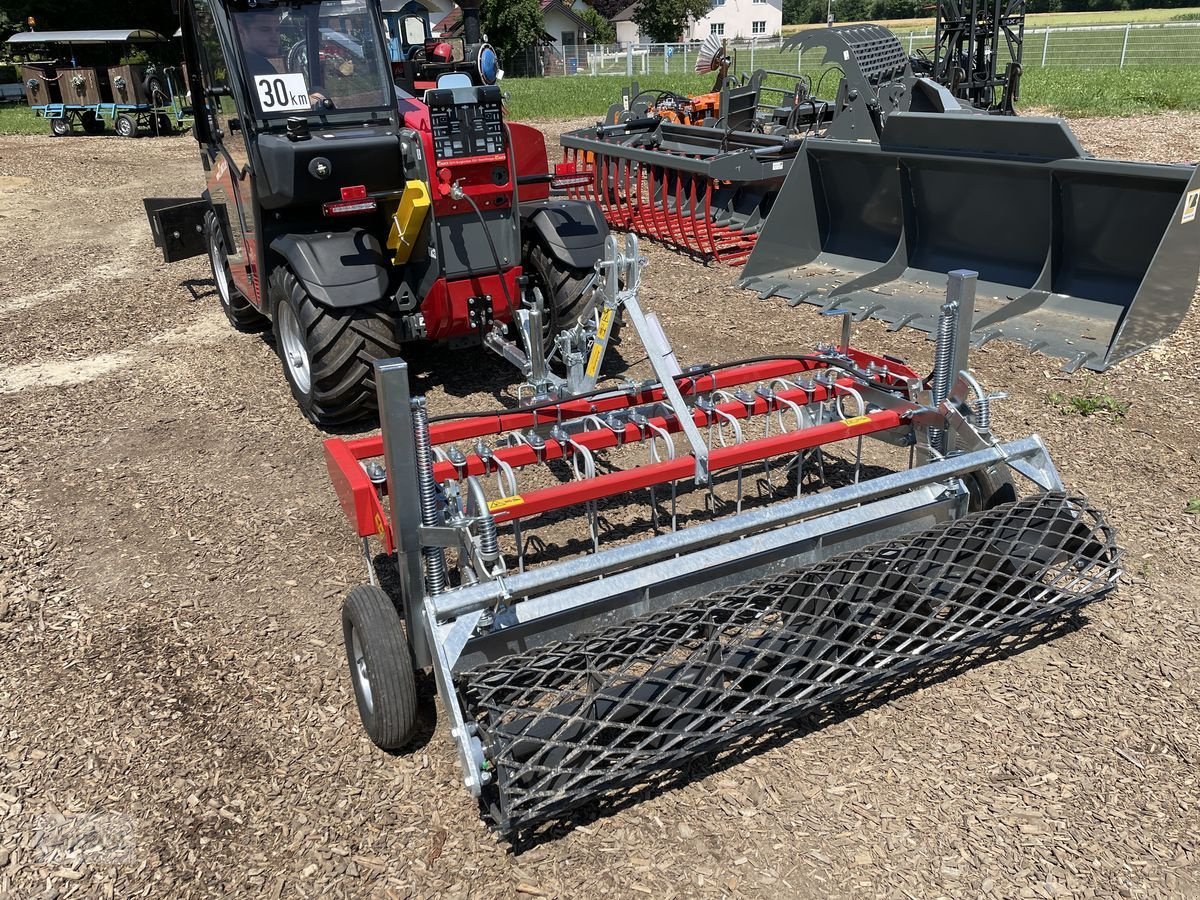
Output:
(175, 713)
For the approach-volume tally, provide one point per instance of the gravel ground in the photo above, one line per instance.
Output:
(175, 714)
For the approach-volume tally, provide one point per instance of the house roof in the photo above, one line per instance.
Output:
(626, 15)
(562, 7)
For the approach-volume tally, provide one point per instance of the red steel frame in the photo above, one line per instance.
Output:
(645, 206)
(364, 507)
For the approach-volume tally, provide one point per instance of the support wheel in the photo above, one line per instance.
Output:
(381, 666)
(327, 353)
(163, 125)
(989, 488)
(238, 310)
(60, 126)
(126, 126)
(559, 286)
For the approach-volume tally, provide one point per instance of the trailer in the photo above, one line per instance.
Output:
(130, 98)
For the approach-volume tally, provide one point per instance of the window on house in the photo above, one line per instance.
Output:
(717, 3)
(758, 27)
(760, 1)
(717, 28)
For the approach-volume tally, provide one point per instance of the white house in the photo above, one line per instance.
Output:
(727, 18)
(739, 19)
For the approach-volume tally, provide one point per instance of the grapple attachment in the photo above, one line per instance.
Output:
(1088, 259)
(608, 586)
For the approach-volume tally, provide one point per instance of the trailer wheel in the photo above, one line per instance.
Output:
(327, 353)
(163, 125)
(92, 123)
(381, 666)
(60, 126)
(126, 126)
(238, 310)
(559, 286)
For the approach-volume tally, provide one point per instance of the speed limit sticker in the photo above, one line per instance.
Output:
(282, 93)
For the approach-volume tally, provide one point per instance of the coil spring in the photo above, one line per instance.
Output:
(983, 415)
(943, 360)
(435, 557)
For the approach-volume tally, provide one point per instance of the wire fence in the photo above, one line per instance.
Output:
(1116, 46)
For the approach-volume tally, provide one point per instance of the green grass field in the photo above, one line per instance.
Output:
(1047, 20)
(1063, 90)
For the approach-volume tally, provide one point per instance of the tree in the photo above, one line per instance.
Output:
(599, 29)
(514, 28)
(663, 20)
(609, 8)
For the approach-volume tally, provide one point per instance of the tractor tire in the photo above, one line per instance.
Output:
(381, 666)
(559, 286)
(60, 126)
(328, 354)
(126, 126)
(92, 123)
(238, 310)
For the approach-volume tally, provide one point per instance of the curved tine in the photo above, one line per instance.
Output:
(510, 476)
(733, 422)
(589, 461)
(797, 412)
(862, 406)
(440, 455)
(666, 439)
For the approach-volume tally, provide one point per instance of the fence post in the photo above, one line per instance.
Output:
(666, 60)
(685, 68)
(1125, 45)
(911, 35)
(629, 60)
(1045, 45)
(753, 44)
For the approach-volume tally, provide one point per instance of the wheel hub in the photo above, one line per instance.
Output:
(295, 353)
(360, 671)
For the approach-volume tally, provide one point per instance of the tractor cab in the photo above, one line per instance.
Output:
(422, 61)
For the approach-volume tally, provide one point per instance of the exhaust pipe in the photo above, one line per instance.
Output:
(470, 18)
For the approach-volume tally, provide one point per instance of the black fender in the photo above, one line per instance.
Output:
(338, 268)
(574, 231)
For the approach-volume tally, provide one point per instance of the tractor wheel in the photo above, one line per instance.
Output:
(559, 286)
(238, 310)
(381, 666)
(60, 126)
(328, 353)
(92, 123)
(126, 126)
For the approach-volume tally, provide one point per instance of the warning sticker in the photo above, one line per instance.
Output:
(282, 93)
(505, 503)
(1189, 206)
(593, 365)
(857, 420)
(379, 529)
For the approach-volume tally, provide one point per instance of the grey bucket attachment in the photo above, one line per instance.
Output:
(1088, 259)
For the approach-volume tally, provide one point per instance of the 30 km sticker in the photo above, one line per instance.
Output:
(857, 420)
(282, 93)
(505, 503)
(1189, 206)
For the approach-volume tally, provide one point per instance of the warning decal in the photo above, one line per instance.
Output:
(1189, 206)
(505, 503)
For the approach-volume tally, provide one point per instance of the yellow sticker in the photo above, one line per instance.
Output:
(505, 503)
(379, 529)
(1190, 205)
(857, 420)
(606, 318)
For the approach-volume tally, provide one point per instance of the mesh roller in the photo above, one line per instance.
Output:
(567, 722)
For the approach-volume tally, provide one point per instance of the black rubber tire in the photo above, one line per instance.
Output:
(989, 488)
(156, 91)
(238, 310)
(560, 286)
(163, 125)
(60, 126)
(381, 666)
(341, 346)
(92, 123)
(126, 126)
